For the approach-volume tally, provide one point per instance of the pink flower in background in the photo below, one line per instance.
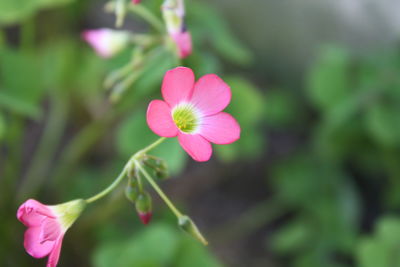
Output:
(183, 41)
(47, 226)
(136, 1)
(106, 42)
(193, 112)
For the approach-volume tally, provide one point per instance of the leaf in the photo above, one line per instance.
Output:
(154, 246)
(193, 254)
(383, 248)
(328, 80)
(13, 11)
(383, 123)
(22, 95)
(247, 107)
(205, 21)
(292, 238)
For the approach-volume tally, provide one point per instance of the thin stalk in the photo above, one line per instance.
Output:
(149, 147)
(42, 159)
(110, 188)
(172, 207)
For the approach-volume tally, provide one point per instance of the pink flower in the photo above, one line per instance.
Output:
(183, 41)
(136, 1)
(106, 42)
(193, 112)
(47, 226)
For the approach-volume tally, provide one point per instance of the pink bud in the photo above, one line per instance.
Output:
(145, 217)
(106, 42)
(183, 41)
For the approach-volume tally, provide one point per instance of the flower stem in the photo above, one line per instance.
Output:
(122, 175)
(148, 16)
(177, 213)
(149, 147)
(111, 187)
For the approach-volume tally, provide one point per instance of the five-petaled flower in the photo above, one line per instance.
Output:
(47, 226)
(106, 42)
(193, 112)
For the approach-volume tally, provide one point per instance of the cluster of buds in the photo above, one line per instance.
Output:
(134, 190)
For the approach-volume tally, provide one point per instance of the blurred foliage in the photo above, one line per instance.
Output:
(54, 81)
(330, 147)
(353, 111)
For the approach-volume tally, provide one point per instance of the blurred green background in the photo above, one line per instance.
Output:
(313, 181)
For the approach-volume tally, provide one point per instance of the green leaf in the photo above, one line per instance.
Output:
(13, 11)
(328, 80)
(21, 84)
(247, 107)
(383, 123)
(292, 237)
(383, 248)
(154, 246)
(205, 21)
(193, 254)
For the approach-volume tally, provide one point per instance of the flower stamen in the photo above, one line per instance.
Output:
(185, 118)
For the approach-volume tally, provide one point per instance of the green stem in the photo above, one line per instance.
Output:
(125, 170)
(52, 133)
(177, 213)
(149, 147)
(148, 16)
(111, 187)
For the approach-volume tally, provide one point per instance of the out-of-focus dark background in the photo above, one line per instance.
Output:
(313, 181)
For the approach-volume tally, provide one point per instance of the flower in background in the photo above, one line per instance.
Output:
(183, 41)
(106, 42)
(136, 1)
(193, 112)
(174, 16)
(47, 226)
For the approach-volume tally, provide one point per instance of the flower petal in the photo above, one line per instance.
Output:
(32, 212)
(160, 120)
(211, 94)
(177, 85)
(32, 243)
(55, 253)
(196, 146)
(220, 128)
(50, 230)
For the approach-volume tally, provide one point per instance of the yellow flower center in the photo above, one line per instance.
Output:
(185, 118)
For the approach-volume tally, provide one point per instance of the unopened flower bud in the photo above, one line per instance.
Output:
(187, 225)
(132, 190)
(174, 17)
(159, 166)
(106, 42)
(120, 12)
(144, 207)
